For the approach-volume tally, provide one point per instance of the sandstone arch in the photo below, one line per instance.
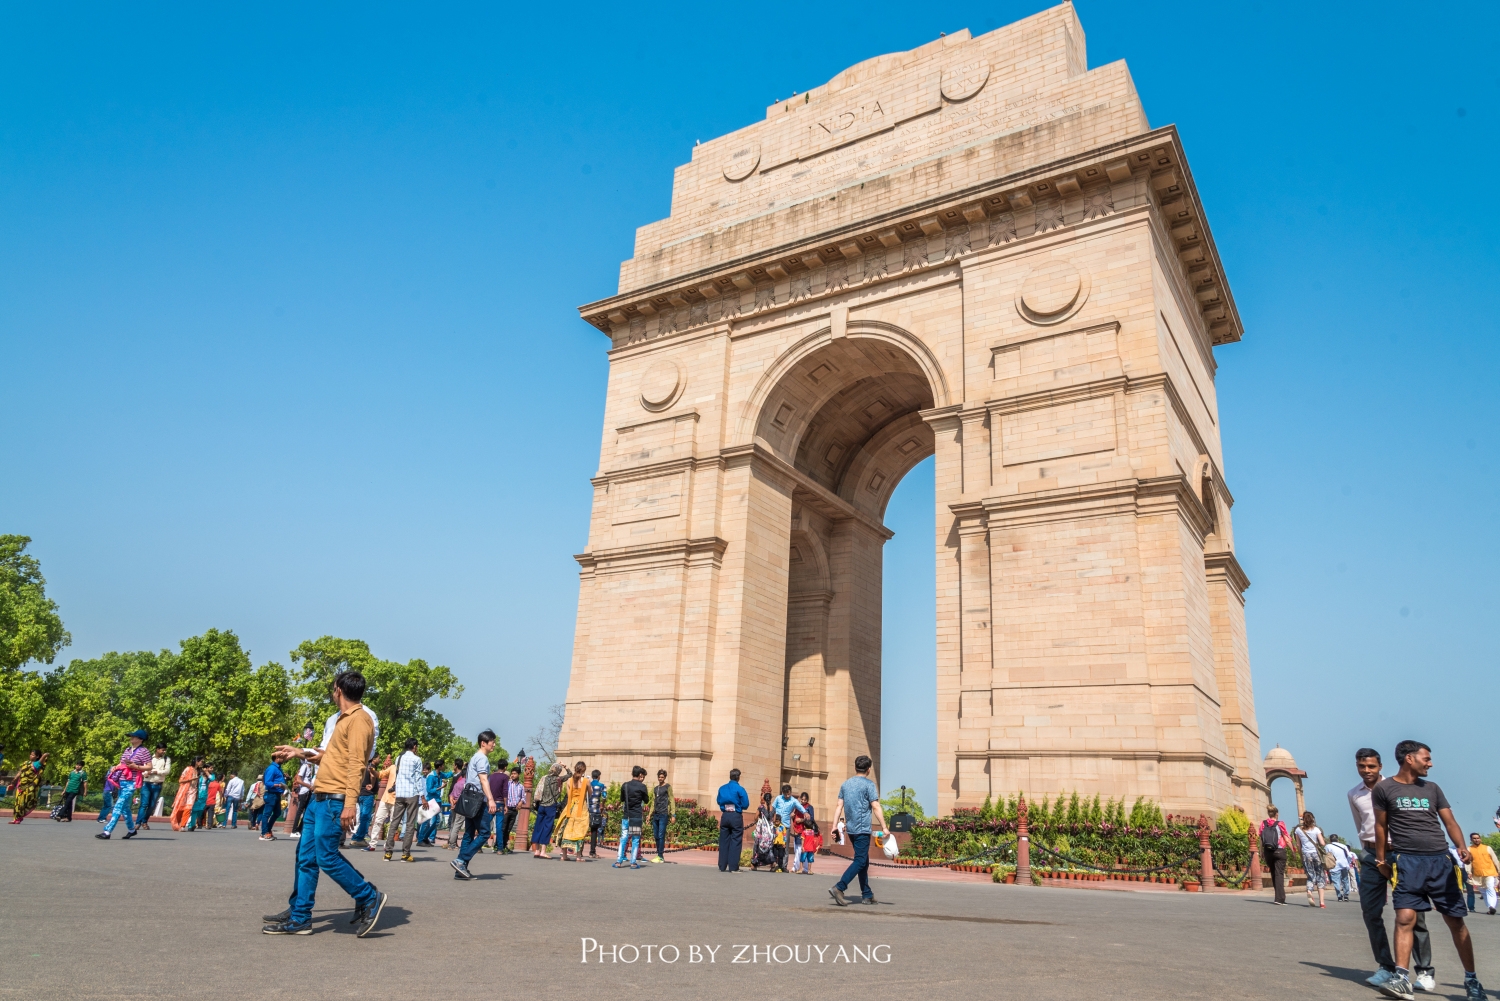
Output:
(977, 250)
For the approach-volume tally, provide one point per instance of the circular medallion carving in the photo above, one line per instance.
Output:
(742, 162)
(1052, 292)
(661, 385)
(963, 81)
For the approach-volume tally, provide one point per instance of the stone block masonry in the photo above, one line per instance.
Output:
(979, 250)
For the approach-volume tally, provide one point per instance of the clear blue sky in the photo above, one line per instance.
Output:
(288, 338)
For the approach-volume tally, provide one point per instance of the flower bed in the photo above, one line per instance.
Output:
(1081, 836)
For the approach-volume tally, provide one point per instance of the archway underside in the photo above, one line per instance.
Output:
(848, 417)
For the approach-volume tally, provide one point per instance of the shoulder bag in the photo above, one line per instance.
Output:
(471, 802)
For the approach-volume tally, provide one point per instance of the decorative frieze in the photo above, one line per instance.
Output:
(1153, 175)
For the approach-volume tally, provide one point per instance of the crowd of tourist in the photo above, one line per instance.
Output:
(339, 795)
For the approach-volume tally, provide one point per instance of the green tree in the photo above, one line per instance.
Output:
(204, 699)
(30, 627)
(208, 700)
(892, 803)
(23, 706)
(397, 693)
(84, 720)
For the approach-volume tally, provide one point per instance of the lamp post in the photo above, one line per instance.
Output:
(1023, 846)
(1207, 854)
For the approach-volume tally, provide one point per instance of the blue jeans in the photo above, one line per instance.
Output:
(231, 812)
(366, 814)
(150, 796)
(476, 832)
(319, 851)
(122, 806)
(109, 803)
(269, 812)
(630, 844)
(1342, 878)
(428, 830)
(859, 867)
(659, 828)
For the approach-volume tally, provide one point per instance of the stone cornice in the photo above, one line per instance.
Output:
(808, 490)
(1052, 397)
(1128, 496)
(650, 470)
(628, 559)
(1146, 169)
(1223, 566)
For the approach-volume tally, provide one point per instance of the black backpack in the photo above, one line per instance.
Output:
(1270, 837)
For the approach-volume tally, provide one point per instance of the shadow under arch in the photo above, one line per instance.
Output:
(846, 414)
(875, 330)
(847, 411)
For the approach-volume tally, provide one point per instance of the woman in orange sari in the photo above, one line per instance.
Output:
(187, 792)
(575, 815)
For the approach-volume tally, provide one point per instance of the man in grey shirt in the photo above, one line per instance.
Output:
(477, 830)
(859, 803)
(1373, 886)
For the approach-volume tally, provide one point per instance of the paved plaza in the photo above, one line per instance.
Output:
(177, 915)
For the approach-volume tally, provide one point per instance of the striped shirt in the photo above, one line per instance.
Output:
(134, 760)
(408, 776)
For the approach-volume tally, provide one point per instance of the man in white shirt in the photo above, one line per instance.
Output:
(151, 783)
(410, 787)
(234, 791)
(1373, 886)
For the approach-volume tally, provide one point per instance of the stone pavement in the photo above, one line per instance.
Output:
(175, 916)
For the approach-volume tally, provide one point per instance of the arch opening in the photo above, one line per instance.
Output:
(847, 416)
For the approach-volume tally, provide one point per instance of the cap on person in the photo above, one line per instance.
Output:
(142, 734)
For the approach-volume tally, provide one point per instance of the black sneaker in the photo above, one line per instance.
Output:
(1473, 989)
(1399, 986)
(287, 928)
(407, 857)
(278, 918)
(838, 897)
(129, 835)
(366, 917)
(388, 856)
(102, 836)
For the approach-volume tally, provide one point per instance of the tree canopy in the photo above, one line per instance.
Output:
(30, 626)
(397, 693)
(205, 698)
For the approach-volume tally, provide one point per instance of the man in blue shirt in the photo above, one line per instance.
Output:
(427, 834)
(275, 783)
(859, 803)
(733, 801)
(785, 805)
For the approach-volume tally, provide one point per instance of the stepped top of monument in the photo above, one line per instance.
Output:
(888, 132)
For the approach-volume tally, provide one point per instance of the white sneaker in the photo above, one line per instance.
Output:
(1379, 977)
(1424, 980)
(296, 834)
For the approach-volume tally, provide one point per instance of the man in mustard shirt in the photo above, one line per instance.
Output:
(331, 811)
(1485, 868)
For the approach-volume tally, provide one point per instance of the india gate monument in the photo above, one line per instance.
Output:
(977, 250)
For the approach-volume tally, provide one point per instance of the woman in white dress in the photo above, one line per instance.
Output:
(1310, 839)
